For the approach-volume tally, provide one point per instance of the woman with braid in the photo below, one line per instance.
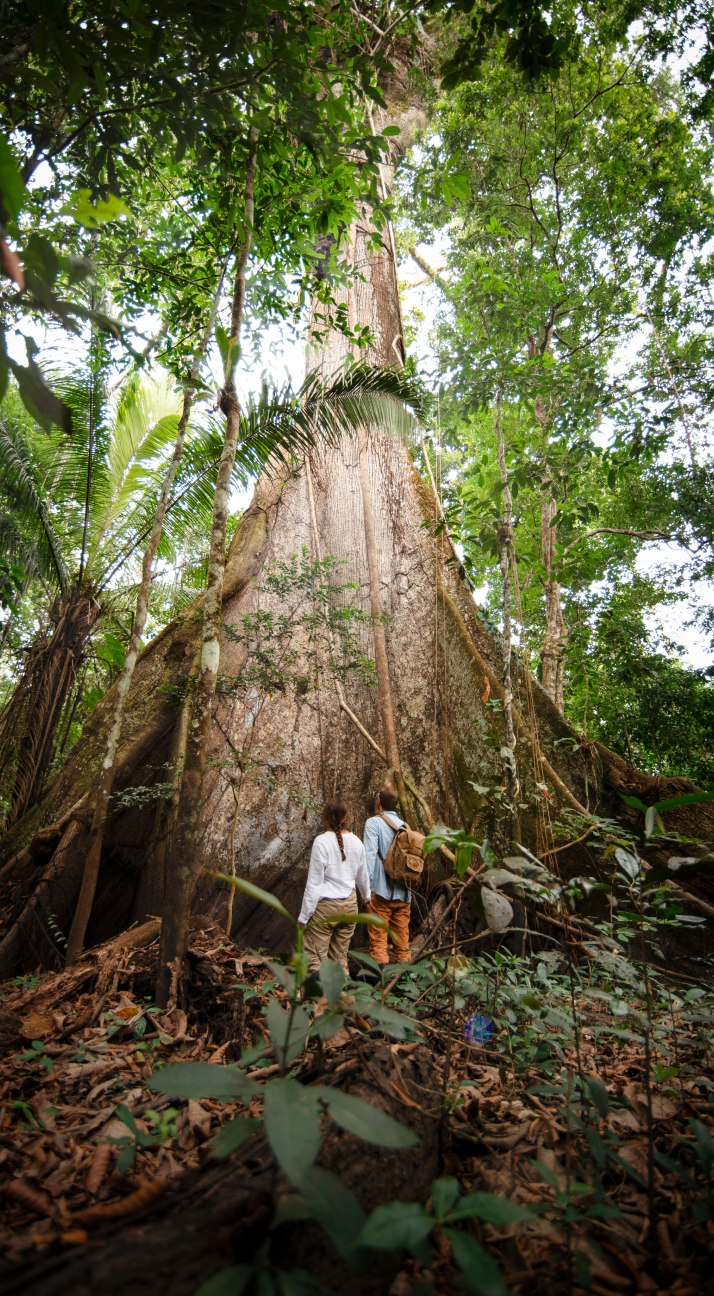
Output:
(336, 864)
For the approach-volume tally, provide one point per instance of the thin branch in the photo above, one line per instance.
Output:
(638, 535)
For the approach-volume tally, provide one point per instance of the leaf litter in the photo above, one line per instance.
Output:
(555, 1114)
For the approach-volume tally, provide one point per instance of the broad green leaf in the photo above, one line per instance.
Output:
(126, 1158)
(393, 1023)
(705, 1145)
(336, 1208)
(327, 1025)
(480, 1270)
(203, 1080)
(255, 891)
(398, 1224)
(668, 1163)
(598, 1095)
(627, 862)
(490, 1208)
(278, 1016)
(359, 920)
(597, 1147)
(364, 1120)
(635, 803)
(39, 401)
(292, 1123)
(444, 1193)
(122, 1112)
(367, 960)
(229, 1282)
(233, 1135)
(91, 215)
(12, 188)
(332, 979)
(688, 798)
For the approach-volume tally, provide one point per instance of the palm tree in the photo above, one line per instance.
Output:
(73, 513)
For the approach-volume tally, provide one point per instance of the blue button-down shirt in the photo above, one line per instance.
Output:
(378, 837)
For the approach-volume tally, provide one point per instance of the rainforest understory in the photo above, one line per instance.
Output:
(281, 519)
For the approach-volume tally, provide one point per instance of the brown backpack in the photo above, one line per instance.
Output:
(405, 858)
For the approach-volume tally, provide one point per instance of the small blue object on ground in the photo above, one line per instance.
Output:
(478, 1029)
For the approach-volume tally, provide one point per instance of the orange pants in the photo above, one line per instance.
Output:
(396, 913)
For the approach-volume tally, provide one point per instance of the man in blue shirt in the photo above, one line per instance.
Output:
(389, 900)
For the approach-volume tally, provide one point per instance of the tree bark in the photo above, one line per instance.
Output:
(181, 874)
(551, 652)
(506, 545)
(105, 780)
(380, 642)
(29, 721)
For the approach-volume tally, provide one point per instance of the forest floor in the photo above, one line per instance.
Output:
(553, 1112)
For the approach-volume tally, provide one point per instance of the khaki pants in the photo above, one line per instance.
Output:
(329, 940)
(396, 913)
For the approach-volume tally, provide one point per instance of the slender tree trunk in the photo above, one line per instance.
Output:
(174, 927)
(105, 780)
(380, 642)
(551, 652)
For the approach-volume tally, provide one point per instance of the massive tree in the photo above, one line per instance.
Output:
(445, 669)
(436, 719)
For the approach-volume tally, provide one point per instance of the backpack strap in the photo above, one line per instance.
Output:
(395, 831)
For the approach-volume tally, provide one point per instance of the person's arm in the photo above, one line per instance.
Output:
(371, 845)
(362, 877)
(315, 879)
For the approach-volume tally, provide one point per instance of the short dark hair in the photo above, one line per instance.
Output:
(388, 798)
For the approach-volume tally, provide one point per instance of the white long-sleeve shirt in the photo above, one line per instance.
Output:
(332, 877)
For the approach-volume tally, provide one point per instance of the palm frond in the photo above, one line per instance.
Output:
(27, 505)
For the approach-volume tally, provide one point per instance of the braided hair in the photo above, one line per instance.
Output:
(336, 816)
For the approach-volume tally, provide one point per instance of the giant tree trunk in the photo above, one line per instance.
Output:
(440, 656)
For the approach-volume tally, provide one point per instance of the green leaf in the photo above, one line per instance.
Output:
(597, 1147)
(491, 1209)
(444, 1193)
(40, 403)
(598, 1095)
(364, 1120)
(126, 1158)
(111, 651)
(367, 960)
(229, 1282)
(327, 1025)
(292, 1123)
(705, 1145)
(332, 979)
(277, 1016)
(480, 1270)
(203, 1080)
(581, 1268)
(233, 1135)
(91, 216)
(393, 1023)
(689, 798)
(254, 891)
(124, 1115)
(359, 920)
(668, 1163)
(398, 1224)
(337, 1209)
(12, 188)
(635, 803)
